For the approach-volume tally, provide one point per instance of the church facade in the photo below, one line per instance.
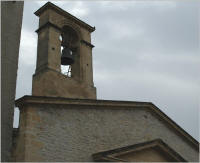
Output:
(63, 120)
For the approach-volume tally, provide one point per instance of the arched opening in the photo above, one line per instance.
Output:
(69, 44)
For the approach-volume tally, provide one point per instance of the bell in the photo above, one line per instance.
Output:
(67, 58)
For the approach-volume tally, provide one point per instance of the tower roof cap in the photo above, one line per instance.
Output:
(57, 9)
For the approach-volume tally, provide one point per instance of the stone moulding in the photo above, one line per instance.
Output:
(87, 43)
(112, 155)
(48, 24)
(50, 5)
(41, 100)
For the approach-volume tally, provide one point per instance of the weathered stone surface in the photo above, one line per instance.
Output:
(75, 131)
(52, 83)
(11, 21)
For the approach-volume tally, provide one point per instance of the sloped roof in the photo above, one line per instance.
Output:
(50, 5)
(157, 145)
(108, 103)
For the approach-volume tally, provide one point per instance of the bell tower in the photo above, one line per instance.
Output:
(64, 42)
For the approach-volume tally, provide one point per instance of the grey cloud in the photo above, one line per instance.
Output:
(30, 21)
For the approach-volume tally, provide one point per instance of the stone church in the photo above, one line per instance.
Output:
(63, 121)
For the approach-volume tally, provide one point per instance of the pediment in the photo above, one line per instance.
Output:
(151, 151)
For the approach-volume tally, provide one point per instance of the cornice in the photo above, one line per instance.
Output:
(112, 155)
(60, 11)
(48, 24)
(87, 43)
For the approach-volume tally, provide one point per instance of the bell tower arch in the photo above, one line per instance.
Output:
(70, 47)
(63, 40)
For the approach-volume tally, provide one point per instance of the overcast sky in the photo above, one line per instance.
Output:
(144, 51)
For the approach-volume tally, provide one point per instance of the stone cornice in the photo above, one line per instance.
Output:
(40, 100)
(70, 101)
(87, 43)
(60, 11)
(112, 155)
(48, 24)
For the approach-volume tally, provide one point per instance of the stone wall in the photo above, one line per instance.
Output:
(11, 21)
(73, 132)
